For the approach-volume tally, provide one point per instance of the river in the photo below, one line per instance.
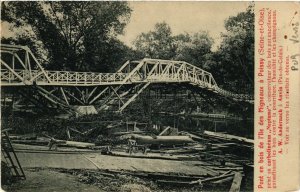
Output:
(243, 128)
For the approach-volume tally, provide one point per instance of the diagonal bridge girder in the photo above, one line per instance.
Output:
(19, 67)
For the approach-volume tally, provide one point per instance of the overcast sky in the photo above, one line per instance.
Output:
(181, 16)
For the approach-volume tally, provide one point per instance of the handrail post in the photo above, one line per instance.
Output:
(76, 77)
(68, 77)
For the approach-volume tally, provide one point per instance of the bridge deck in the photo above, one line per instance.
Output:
(28, 71)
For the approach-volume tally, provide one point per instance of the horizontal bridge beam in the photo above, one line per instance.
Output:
(132, 72)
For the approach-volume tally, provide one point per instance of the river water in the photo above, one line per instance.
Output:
(243, 128)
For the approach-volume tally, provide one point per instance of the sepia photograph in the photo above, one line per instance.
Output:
(127, 96)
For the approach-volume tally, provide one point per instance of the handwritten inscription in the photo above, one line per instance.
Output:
(295, 40)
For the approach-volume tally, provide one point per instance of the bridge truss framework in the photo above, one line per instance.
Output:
(21, 70)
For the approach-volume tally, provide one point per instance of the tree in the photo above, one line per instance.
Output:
(161, 44)
(194, 48)
(156, 44)
(234, 60)
(77, 35)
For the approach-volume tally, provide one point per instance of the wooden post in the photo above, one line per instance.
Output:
(64, 95)
(13, 62)
(68, 133)
(215, 126)
(236, 183)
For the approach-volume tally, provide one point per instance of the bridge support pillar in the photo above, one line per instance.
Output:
(85, 110)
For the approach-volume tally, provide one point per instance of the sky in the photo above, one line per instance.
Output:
(182, 17)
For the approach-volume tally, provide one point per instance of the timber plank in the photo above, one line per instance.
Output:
(236, 183)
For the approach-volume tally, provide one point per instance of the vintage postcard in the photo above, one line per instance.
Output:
(277, 89)
(140, 96)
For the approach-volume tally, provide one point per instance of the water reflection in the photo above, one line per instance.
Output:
(243, 128)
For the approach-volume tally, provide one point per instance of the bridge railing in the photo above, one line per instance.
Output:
(205, 79)
(16, 76)
(167, 78)
(179, 71)
(169, 71)
(198, 77)
(60, 77)
(66, 77)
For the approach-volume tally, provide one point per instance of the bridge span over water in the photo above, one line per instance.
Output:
(20, 69)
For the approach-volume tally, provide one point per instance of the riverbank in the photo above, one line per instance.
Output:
(89, 170)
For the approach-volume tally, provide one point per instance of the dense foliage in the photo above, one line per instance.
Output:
(82, 36)
(232, 64)
(76, 35)
(161, 44)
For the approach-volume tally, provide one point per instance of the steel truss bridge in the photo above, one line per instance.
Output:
(22, 71)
